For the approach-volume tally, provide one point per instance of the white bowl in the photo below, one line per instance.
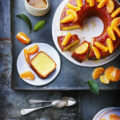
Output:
(37, 11)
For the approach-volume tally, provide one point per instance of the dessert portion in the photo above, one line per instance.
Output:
(76, 11)
(42, 64)
(68, 41)
(81, 52)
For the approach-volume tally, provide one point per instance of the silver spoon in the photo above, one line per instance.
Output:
(56, 103)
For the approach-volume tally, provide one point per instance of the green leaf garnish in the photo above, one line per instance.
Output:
(93, 86)
(39, 25)
(27, 20)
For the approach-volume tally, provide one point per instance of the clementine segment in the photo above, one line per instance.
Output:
(111, 33)
(27, 75)
(23, 38)
(115, 22)
(34, 49)
(79, 3)
(102, 3)
(92, 3)
(27, 57)
(82, 48)
(117, 31)
(110, 6)
(72, 7)
(67, 19)
(96, 52)
(101, 46)
(109, 43)
(97, 72)
(116, 12)
(104, 79)
(66, 39)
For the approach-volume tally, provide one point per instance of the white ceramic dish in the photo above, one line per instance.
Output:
(35, 11)
(23, 66)
(104, 113)
(84, 34)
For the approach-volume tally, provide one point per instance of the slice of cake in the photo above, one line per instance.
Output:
(73, 40)
(81, 52)
(42, 64)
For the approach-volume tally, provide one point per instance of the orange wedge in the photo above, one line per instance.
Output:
(98, 0)
(71, 12)
(34, 49)
(115, 22)
(27, 57)
(104, 79)
(27, 75)
(97, 72)
(116, 12)
(82, 48)
(102, 3)
(109, 43)
(101, 46)
(87, 1)
(117, 31)
(111, 33)
(110, 6)
(66, 39)
(91, 3)
(72, 7)
(67, 19)
(79, 3)
(96, 52)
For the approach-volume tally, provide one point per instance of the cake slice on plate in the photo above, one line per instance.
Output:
(43, 64)
(68, 41)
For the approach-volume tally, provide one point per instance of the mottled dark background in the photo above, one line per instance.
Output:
(11, 102)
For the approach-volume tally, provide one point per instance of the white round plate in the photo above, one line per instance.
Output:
(104, 113)
(86, 33)
(22, 65)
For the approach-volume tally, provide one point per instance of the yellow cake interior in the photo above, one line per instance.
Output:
(43, 64)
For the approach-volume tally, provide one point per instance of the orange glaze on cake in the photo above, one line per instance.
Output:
(87, 11)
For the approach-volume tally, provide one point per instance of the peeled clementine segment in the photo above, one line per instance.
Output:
(101, 46)
(23, 38)
(34, 49)
(110, 6)
(96, 52)
(104, 79)
(72, 7)
(116, 12)
(66, 39)
(109, 43)
(98, 0)
(112, 73)
(67, 19)
(111, 33)
(102, 3)
(87, 1)
(71, 12)
(91, 3)
(27, 57)
(117, 31)
(27, 75)
(82, 48)
(97, 72)
(79, 3)
(115, 22)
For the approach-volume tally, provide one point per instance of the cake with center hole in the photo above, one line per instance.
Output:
(43, 64)
(76, 11)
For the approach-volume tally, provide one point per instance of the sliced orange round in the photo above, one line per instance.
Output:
(110, 6)
(71, 12)
(82, 48)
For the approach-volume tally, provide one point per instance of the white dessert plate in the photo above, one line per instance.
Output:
(22, 65)
(92, 27)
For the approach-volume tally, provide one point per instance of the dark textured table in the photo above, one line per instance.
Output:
(11, 102)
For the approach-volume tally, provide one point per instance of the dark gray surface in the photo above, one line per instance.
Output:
(71, 77)
(12, 101)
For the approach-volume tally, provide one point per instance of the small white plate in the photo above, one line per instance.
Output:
(84, 34)
(22, 66)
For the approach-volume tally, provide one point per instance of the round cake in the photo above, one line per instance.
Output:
(72, 17)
